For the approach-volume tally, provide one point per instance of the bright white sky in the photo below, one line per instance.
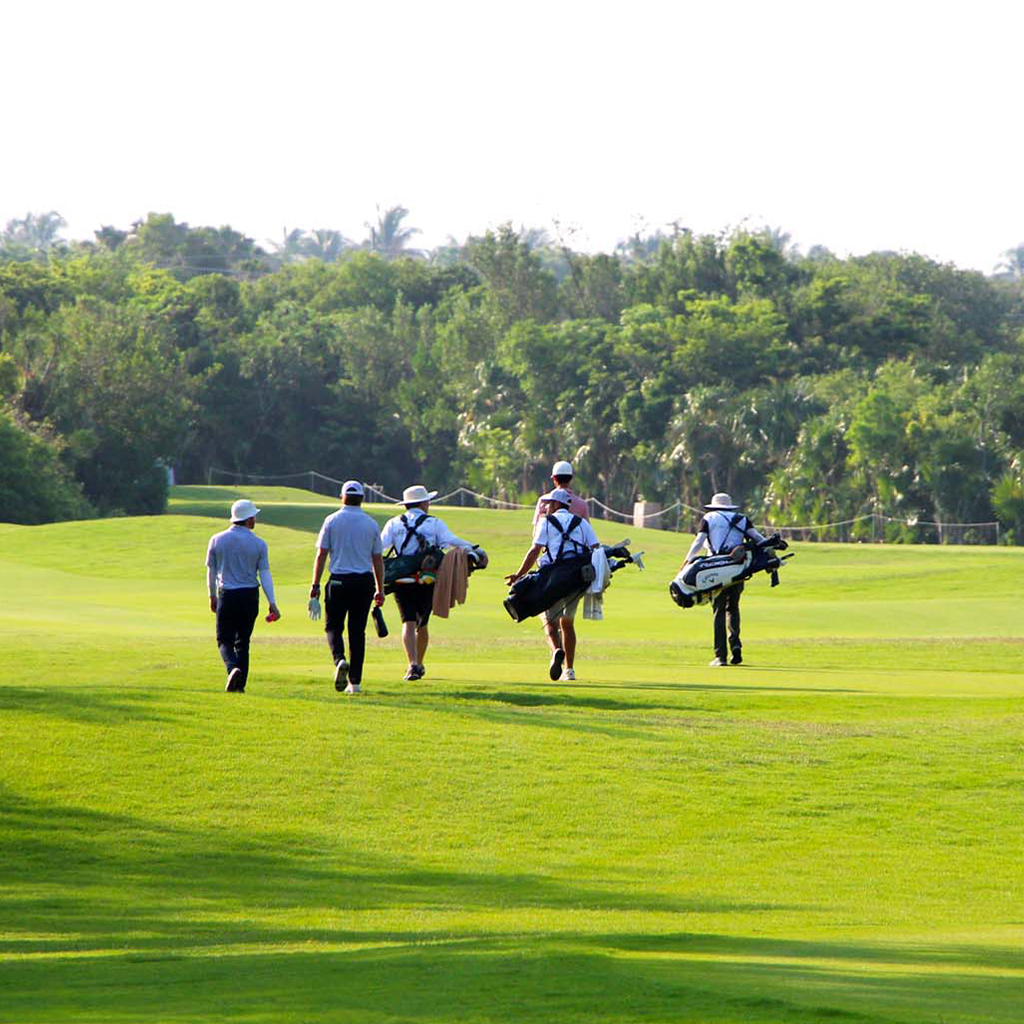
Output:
(856, 125)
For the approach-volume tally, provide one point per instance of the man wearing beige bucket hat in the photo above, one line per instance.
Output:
(414, 530)
(723, 528)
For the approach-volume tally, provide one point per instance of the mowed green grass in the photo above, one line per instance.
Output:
(831, 832)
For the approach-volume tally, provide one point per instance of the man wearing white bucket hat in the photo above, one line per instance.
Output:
(561, 478)
(234, 560)
(350, 538)
(416, 530)
(722, 529)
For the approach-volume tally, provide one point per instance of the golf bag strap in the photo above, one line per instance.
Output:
(733, 525)
(573, 523)
(410, 532)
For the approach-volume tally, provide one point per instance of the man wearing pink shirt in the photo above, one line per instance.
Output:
(561, 475)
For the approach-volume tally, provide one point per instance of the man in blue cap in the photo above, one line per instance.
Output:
(237, 563)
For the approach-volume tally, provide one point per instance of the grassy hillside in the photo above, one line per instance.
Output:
(829, 832)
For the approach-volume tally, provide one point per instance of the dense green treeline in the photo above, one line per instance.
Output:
(815, 389)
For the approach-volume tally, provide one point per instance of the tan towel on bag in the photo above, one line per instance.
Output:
(452, 581)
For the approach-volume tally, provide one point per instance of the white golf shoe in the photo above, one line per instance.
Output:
(568, 676)
(353, 688)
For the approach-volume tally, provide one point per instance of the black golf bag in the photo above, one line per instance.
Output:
(701, 580)
(537, 591)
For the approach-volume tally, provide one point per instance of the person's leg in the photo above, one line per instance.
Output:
(733, 623)
(248, 608)
(568, 628)
(720, 605)
(567, 625)
(405, 598)
(553, 635)
(552, 630)
(409, 641)
(226, 631)
(424, 606)
(361, 597)
(336, 606)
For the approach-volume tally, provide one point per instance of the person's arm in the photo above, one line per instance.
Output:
(698, 542)
(318, 570)
(446, 539)
(378, 575)
(211, 576)
(751, 532)
(529, 558)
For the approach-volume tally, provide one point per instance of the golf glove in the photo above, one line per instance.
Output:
(314, 609)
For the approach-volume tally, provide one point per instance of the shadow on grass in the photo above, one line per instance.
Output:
(568, 700)
(113, 880)
(84, 705)
(507, 979)
(108, 917)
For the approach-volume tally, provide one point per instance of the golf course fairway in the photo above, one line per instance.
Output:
(830, 832)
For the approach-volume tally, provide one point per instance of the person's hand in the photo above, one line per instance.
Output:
(511, 579)
(314, 609)
(378, 598)
(213, 605)
(274, 614)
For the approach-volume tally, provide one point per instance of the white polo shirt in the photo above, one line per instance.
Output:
(432, 532)
(581, 539)
(719, 535)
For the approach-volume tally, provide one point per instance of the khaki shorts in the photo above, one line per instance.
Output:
(564, 609)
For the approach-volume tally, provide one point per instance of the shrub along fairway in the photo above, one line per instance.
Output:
(830, 832)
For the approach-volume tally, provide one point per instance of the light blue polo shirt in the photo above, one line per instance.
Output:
(236, 556)
(351, 536)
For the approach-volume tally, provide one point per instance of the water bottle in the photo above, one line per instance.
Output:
(378, 622)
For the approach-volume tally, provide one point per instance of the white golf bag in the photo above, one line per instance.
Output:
(703, 579)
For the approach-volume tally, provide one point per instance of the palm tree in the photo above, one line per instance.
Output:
(37, 233)
(292, 245)
(1013, 263)
(388, 237)
(326, 244)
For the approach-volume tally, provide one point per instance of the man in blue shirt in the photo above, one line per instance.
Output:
(234, 560)
(350, 539)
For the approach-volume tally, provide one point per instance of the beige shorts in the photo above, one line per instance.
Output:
(564, 609)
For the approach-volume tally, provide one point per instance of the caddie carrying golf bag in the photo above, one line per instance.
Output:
(537, 591)
(418, 565)
(701, 580)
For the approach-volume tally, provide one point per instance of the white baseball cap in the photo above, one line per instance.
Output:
(415, 494)
(559, 494)
(352, 487)
(243, 509)
(561, 469)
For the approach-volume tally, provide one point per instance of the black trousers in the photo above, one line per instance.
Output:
(236, 616)
(348, 595)
(727, 621)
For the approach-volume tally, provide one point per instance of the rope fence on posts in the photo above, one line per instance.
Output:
(841, 530)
